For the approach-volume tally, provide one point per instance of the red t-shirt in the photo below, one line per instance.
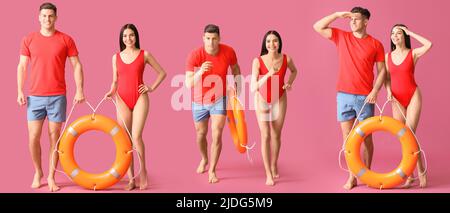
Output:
(48, 56)
(213, 83)
(357, 57)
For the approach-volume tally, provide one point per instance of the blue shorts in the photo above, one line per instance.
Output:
(201, 112)
(349, 105)
(54, 107)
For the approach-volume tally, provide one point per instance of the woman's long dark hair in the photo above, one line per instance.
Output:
(131, 27)
(407, 37)
(264, 48)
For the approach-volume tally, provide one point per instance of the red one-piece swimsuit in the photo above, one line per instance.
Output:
(403, 84)
(129, 77)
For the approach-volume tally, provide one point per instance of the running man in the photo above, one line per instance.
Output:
(206, 71)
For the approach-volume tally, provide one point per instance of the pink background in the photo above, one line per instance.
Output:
(170, 29)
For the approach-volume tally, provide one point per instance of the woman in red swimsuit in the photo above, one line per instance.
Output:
(401, 86)
(131, 92)
(268, 72)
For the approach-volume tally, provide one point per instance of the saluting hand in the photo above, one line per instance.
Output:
(345, 14)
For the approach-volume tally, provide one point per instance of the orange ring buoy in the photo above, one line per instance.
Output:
(236, 122)
(123, 154)
(410, 151)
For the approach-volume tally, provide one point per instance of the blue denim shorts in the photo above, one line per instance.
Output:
(201, 112)
(53, 107)
(349, 105)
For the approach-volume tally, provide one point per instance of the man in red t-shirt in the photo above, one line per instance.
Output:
(358, 52)
(206, 70)
(46, 51)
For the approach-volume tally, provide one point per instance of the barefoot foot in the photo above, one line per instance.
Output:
(52, 185)
(130, 186)
(143, 181)
(351, 182)
(275, 174)
(213, 178)
(423, 180)
(36, 180)
(202, 166)
(270, 181)
(408, 183)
